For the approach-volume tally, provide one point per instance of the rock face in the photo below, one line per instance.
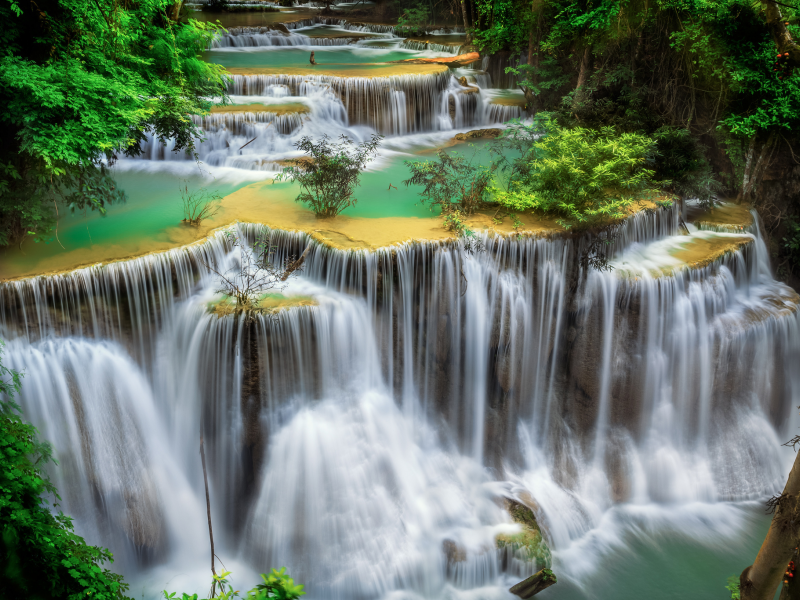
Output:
(478, 134)
(462, 60)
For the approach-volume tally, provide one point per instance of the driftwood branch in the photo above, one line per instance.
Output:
(534, 584)
(296, 264)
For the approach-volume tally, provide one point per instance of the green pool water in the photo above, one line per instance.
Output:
(658, 564)
(277, 57)
(153, 206)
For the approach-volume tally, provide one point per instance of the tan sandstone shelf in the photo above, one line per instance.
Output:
(281, 109)
(274, 206)
(727, 215)
(369, 70)
(701, 252)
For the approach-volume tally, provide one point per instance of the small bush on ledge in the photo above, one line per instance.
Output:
(329, 172)
(586, 177)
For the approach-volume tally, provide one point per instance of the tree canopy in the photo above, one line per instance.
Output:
(83, 82)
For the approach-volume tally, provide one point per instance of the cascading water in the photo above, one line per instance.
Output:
(389, 420)
(367, 439)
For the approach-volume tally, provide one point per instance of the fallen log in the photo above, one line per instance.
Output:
(461, 60)
(534, 584)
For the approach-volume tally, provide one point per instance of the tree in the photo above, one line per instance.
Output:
(253, 274)
(330, 172)
(760, 580)
(41, 555)
(81, 82)
(413, 20)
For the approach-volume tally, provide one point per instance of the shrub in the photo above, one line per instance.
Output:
(198, 205)
(276, 586)
(330, 172)
(41, 555)
(586, 177)
(451, 183)
(791, 244)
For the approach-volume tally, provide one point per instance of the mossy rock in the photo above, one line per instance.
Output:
(268, 303)
(528, 544)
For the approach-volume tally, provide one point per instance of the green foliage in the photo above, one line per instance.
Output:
(791, 244)
(586, 177)
(731, 49)
(451, 182)
(41, 555)
(733, 587)
(502, 25)
(680, 159)
(276, 586)
(85, 80)
(413, 20)
(330, 172)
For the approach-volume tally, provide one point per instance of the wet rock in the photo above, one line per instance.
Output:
(478, 134)
(453, 552)
(528, 545)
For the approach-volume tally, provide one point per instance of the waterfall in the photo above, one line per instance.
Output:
(426, 383)
(434, 47)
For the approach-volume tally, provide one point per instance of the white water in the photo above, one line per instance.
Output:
(366, 432)
(639, 414)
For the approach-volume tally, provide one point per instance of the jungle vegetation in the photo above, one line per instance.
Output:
(86, 81)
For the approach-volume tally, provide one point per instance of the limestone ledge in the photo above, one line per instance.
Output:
(726, 216)
(701, 252)
(280, 109)
(368, 71)
(268, 303)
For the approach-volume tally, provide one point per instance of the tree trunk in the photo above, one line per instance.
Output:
(467, 28)
(534, 584)
(583, 76)
(534, 41)
(176, 10)
(780, 35)
(760, 580)
(748, 161)
(754, 170)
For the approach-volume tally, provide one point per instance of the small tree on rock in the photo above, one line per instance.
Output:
(254, 275)
(330, 172)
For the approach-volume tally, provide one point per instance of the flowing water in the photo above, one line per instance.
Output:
(358, 439)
